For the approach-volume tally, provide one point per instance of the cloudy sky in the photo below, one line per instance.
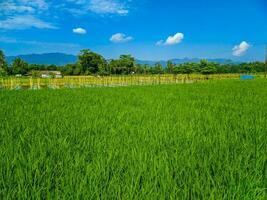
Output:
(147, 29)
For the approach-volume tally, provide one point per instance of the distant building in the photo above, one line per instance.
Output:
(50, 74)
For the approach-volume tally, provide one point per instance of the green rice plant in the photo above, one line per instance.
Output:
(204, 140)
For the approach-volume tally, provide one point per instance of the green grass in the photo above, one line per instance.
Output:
(196, 141)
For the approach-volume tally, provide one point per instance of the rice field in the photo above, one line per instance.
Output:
(206, 140)
(17, 83)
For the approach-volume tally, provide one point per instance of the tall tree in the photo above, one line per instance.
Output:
(3, 64)
(124, 65)
(207, 67)
(158, 69)
(90, 61)
(19, 66)
(186, 68)
(170, 67)
(72, 69)
(127, 62)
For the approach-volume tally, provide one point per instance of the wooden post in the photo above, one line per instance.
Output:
(11, 83)
(30, 83)
(38, 83)
(2, 83)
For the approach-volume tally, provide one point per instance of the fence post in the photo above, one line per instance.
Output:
(2, 83)
(38, 83)
(11, 83)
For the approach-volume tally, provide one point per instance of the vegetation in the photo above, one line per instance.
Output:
(196, 141)
(90, 63)
(19, 67)
(34, 82)
(3, 64)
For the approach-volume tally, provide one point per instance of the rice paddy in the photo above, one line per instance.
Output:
(18, 83)
(205, 140)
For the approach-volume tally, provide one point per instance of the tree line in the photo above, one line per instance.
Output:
(91, 63)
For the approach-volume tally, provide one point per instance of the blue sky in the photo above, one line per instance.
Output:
(147, 29)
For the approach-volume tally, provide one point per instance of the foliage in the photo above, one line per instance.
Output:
(158, 69)
(90, 62)
(124, 65)
(186, 68)
(3, 64)
(170, 67)
(195, 141)
(95, 64)
(19, 66)
(73, 69)
(35, 73)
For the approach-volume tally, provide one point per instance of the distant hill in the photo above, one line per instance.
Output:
(63, 59)
(46, 58)
(184, 60)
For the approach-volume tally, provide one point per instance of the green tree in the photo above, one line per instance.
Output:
(258, 66)
(103, 70)
(19, 66)
(170, 67)
(115, 68)
(186, 68)
(206, 67)
(72, 69)
(124, 65)
(139, 68)
(3, 64)
(35, 73)
(128, 63)
(90, 62)
(224, 68)
(158, 68)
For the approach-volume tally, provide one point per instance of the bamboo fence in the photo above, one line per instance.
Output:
(17, 83)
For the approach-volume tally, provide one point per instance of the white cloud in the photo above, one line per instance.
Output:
(24, 22)
(120, 38)
(104, 7)
(79, 31)
(172, 40)
(23, 14)
(23, 6)
(108, 7)
(10, 7)
(241, 49)
(74, 11)
(39, 4)
(159, 43)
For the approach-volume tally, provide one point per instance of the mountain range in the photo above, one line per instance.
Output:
(184, 60)
(63, 59)
(46, 58)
